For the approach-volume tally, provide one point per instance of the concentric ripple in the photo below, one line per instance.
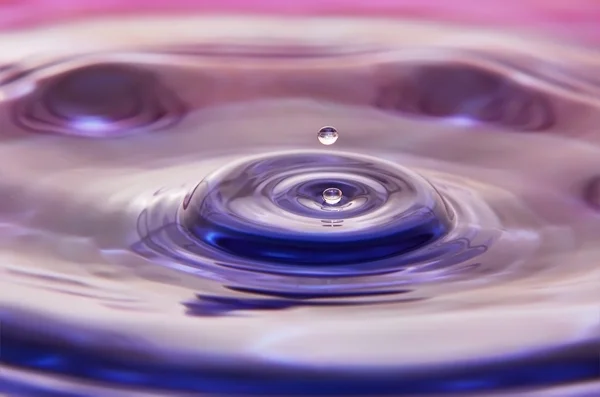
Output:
(263, 219)
(271, 210)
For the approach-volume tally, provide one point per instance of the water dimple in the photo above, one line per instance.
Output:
(328, 135)
(103, 92)
(99, 100)
(467, 94)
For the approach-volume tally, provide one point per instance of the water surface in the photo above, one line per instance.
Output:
(163, 227)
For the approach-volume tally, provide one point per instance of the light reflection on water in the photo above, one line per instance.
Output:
(180, 242)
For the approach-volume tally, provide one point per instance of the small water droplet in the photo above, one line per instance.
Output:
(332, 195)
(328, 135)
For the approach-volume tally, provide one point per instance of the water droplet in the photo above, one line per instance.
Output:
(332, 195)
(328, 136)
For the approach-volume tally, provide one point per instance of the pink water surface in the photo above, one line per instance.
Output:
(577, 18)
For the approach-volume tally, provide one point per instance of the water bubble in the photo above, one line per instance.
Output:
(332, 195)
(328, 136)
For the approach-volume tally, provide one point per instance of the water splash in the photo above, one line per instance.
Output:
(387, 211)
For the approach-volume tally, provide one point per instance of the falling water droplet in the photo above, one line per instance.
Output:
(328, 135)
(332, 195)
